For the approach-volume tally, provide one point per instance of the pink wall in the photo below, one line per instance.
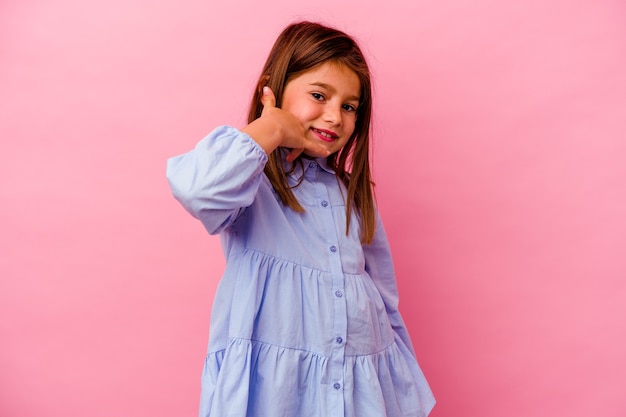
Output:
(501, 140)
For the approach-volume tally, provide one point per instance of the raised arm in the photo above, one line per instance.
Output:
(218, 178)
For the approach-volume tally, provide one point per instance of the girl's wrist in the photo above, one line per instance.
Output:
(266, 133)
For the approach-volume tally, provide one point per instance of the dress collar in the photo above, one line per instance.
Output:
(322, 162)
(303, 162)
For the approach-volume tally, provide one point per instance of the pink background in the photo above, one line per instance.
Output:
(501, 141)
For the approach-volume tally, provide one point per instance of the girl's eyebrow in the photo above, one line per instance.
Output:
(331, 89)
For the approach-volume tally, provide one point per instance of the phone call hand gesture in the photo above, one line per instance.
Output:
(279, 128)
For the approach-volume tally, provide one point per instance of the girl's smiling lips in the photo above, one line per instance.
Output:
(325, 135)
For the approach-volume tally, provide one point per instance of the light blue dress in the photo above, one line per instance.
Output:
(305, 320)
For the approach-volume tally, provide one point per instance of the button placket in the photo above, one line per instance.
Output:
(337, 338)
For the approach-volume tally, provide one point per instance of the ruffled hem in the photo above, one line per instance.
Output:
(253, 379)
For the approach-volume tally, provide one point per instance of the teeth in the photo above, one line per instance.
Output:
(326, 135)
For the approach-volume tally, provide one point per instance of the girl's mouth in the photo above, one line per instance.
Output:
(325, 135)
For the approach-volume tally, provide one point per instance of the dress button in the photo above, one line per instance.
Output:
(333, 248)
(339, 340)
(339, 293)
(336, 385)
(312, 164)
(324, 203)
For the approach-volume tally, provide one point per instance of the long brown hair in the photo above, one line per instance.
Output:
(301, 47)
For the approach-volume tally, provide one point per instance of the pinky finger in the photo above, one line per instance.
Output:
(293, 154)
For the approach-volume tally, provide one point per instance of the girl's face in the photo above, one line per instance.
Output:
(325, 100)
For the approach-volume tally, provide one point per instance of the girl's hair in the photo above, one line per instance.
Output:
(299, 48)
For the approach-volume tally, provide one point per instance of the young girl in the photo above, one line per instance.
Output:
(305, 321)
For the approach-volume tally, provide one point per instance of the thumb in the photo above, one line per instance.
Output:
(267, 97)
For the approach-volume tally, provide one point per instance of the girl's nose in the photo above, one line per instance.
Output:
(332, 115)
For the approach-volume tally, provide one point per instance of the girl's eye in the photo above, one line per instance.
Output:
(349, 107)
(317, 96)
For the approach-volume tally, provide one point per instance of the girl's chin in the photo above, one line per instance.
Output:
(310, 155)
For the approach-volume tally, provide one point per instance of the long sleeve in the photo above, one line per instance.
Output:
(219, 178)
(379, 265)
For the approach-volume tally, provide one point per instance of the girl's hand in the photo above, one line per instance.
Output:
(279, 128)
